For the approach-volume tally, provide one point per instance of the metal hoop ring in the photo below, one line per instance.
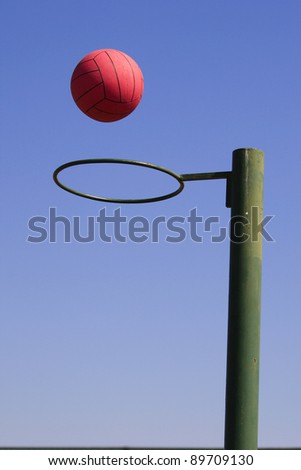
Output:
(120, 161)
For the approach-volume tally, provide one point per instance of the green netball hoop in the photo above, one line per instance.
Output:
(244, 193)
(119, 161)
(179, 178)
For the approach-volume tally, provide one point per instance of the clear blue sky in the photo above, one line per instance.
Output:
(124, 344)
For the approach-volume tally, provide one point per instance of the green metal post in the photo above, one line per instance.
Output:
(242, 384)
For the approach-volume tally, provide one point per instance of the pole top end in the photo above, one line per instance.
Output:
(248, 151)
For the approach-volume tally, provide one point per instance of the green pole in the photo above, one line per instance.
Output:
(242, 384)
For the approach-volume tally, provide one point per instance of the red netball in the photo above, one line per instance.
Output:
(107, 85)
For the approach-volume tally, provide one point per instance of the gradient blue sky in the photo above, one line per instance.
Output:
(124, 344)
